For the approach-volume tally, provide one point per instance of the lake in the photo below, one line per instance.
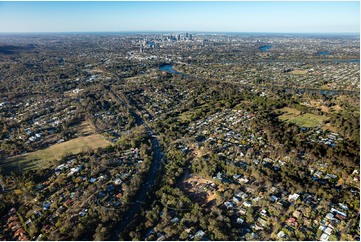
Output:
(168, 68)
(265, 48)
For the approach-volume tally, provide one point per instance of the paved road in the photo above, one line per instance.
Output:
(344, 230)
(149, 182)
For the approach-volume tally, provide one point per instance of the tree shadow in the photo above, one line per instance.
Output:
(17, 165)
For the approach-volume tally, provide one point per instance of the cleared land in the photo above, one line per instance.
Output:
(288, 113)
(299, 72)
(42, 158)
(330, 128)
(307, 120)
(323, 108)
(195, 187)
(335, 108)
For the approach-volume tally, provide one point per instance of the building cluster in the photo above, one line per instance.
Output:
(103, 80)
(74, 188)
(253, 207)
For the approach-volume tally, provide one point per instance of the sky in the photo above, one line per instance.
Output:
(278, 17)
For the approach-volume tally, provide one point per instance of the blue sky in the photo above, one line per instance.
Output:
(291, 17)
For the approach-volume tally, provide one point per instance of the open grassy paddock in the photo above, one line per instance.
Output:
(299, 72)
(288, 113)
(307, 120)
(43, 158)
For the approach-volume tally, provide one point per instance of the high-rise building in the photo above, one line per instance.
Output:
(190, 37)
(186, 35)
(178, 37)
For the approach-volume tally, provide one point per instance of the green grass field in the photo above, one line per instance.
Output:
(288, 113)
(43, 158)
(307, 120)
(299, 72)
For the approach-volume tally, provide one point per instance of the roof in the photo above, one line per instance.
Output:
(281, 234)
(324, 237)
(240, 220)
(296, 213)
(294, 197)
(329, 216)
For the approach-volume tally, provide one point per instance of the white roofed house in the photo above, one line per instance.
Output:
(247, 204)
(200, 234)
(326, 229)
(240, 221)
(236, 200)
(324, 237)
(228, 205)
(293, 197)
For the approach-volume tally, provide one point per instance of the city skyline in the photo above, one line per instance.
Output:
(276, 17)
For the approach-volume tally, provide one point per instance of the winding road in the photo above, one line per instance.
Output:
(149, 182)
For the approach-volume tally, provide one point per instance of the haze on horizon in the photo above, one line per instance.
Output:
(279, 17)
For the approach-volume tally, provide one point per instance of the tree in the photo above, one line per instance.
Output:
(101, 233)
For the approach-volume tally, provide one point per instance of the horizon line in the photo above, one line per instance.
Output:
(168, 31)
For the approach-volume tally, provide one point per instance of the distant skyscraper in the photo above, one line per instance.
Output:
(178, 37)
(190, 37)
(186, 35)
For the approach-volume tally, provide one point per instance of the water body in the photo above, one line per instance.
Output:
(329, 92)
(169, 68)
(150, 43)
(265, 48)
(342, 61)
(324, 53)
